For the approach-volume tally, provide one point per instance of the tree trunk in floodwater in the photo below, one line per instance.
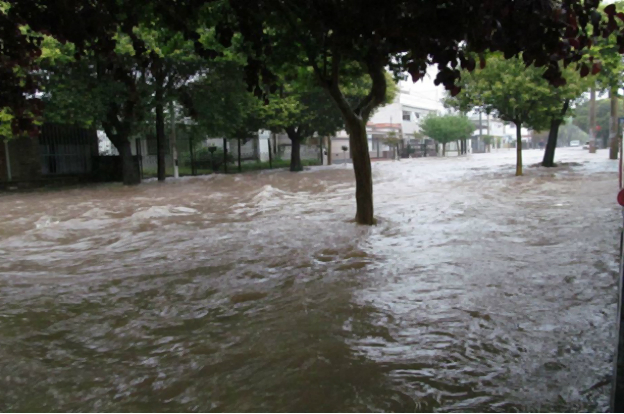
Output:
(329, 151)
(160, 134)
(613, 125)
(295, 149)
(355, 119)
(553, 134)
(129, 168)
(551, 144)
(358, 140)
(518, 148)
(295, 156)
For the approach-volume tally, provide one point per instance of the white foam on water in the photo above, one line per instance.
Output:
(162, 212)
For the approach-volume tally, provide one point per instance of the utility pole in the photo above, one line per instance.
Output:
(480, 129)
(613, 125)
(488, 125)
(174, 148)
(592, 120)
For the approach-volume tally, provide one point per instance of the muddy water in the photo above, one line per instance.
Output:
(477, 291)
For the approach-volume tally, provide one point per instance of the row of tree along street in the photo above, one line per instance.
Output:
(307, 67)
(521, 93)
(172, 82)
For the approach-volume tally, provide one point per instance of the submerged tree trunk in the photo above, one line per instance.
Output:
(295, 152)
(129, 168)
(295, 156)
(613, 125)
(355, 119)
(119, 121)
(160, 133)
(444, 149)
(553, 134)
(329, 151)
(358, 141)
(551, 144)
(518, 148)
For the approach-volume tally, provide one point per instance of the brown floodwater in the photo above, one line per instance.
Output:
(477, 291)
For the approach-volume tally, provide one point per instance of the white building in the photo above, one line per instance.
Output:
(412, 103)
(504, 133)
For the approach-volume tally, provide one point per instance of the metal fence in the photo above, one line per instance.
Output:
(66, 150)
(217, 155)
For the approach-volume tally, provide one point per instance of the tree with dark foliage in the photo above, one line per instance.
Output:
(405, 35)
(408, 35)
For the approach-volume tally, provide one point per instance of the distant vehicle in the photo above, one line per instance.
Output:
(586, 145)
(575, 143)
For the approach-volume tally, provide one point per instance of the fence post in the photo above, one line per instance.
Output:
(225, 155)
(270, 156)
(256, 147)
(239, 156)
(329, 150)
(8, 160)
(139, 156)
(193, 169)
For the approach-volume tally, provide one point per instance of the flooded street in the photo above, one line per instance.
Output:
(477, 291)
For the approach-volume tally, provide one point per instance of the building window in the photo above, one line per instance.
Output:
(416, 115)
(407, 116)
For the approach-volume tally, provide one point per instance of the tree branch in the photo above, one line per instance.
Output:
(378, 91)
(566, 105)
(291, 132)
(333, 87)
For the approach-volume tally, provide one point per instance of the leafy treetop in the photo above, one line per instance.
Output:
(447, 128)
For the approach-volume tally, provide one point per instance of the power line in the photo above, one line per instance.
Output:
(422, 97)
